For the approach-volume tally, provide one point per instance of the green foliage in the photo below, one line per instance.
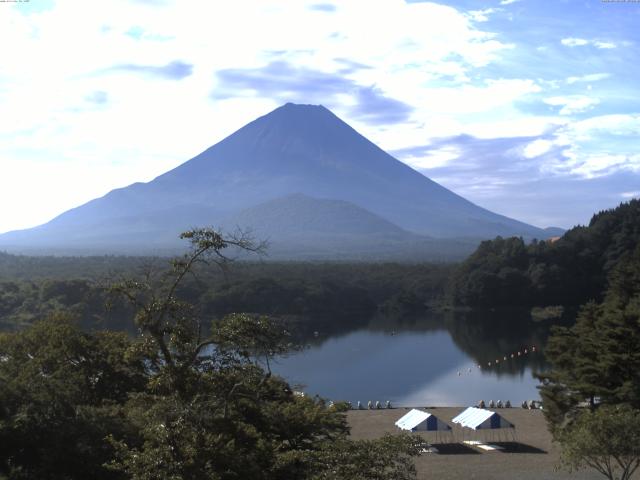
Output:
(493, 275)
(60, 395)
(177, 401)
(387, 459)
(599, 357)
(333, 290)
(568, 272)
(607, 439)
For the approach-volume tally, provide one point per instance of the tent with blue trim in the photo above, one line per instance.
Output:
(481, 419)
(419, 421)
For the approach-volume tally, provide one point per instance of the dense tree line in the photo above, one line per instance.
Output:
(569, 271)
(338, 290)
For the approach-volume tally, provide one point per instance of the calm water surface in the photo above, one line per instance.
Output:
(429, 361)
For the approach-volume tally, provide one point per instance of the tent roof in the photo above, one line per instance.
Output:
(479, 418)
(412, 419)
(420, 420)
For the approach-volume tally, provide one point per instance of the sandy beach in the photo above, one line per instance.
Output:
(532, 456)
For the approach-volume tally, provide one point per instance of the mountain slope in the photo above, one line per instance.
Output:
(294, 149)
(301, 227)
(299, 215)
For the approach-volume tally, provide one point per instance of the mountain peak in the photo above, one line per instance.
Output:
(301, 106)
(298, 112)
(293, 149)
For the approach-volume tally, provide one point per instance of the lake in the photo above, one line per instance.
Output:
(431, 360)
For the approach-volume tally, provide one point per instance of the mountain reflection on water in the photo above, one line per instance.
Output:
(431, 360)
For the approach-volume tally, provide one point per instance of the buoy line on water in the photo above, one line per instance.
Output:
(505, 358)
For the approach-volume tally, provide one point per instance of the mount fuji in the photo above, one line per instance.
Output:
(299, 177)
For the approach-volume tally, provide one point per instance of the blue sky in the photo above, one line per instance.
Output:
(528, 108)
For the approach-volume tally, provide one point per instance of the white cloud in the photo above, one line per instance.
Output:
(581, 42)
(433, 159)
(477, 98)
(572, 103)
(508, 2)
(605, 45)
(630, 195)
(597, 165)
(574, 42)
(537, 148)
(595, 147)
(516, 126)
(627, 125)
(592, 77)
(481, 15)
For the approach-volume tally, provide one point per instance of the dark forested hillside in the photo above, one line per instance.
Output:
(33, 287)
(569, 271)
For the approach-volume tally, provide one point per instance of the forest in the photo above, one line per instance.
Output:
(32, 287)
(568, 272)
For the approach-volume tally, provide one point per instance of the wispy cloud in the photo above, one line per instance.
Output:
(176, 70)
(630, 195)
(572, 104)
(281, 80)
(596, 147)
(537, 148)
(591, 77)
(373, 107)
(574, 42)
(605, 45)
(552, 170)
(481, 15)
(581, 42)
(99, 97)
(287, 82)
(323, 7)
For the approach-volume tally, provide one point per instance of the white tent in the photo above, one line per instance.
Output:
(417, 420)
(495, 427)
(481, 419)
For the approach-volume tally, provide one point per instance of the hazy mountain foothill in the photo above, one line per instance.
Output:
(299, 177)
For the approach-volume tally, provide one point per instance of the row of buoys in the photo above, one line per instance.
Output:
(512, 356)
(493, 404)
(372, 405)
(504, 359)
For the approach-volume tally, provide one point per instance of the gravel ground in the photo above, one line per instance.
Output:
(532, 456)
